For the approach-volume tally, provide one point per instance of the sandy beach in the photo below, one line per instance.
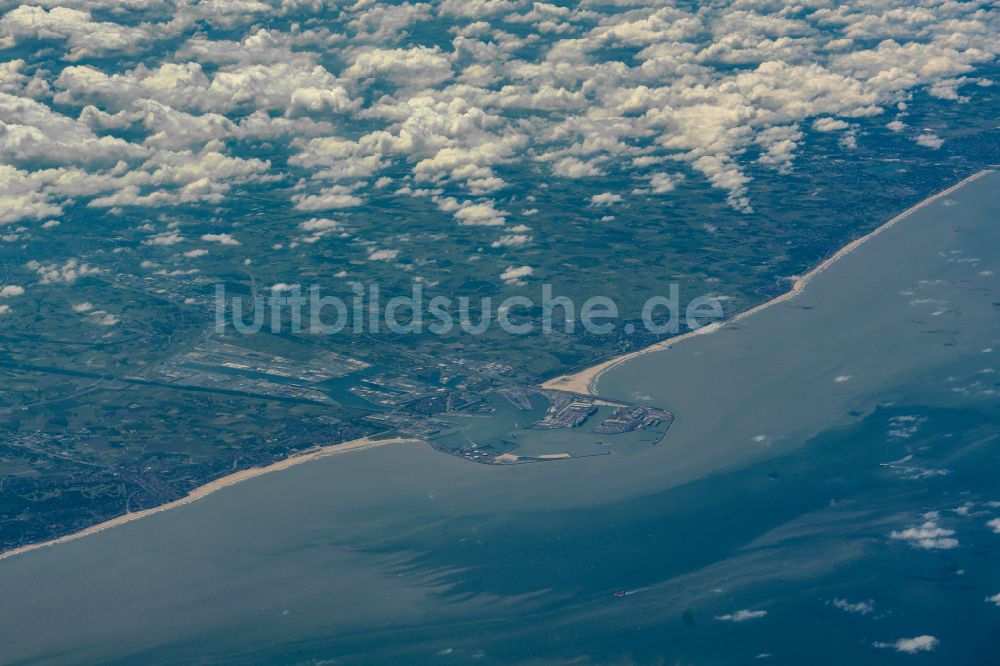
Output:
(213, 486)
(586, 380)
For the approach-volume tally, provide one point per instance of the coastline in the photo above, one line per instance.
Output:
(207, 489)
(585, 381)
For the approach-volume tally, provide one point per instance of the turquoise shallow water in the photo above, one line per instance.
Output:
(806, 436)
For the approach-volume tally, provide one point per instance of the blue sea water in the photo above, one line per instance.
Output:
(824, 495)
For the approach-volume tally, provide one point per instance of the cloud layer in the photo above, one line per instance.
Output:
(158, 103)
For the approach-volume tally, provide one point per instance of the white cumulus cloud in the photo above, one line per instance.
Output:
(929, 140)
(742, 615)
(66, 273)
(929, 535)
(224, 239)
(515, 275)
(605, 199)
(913, 645)
(11, 290)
